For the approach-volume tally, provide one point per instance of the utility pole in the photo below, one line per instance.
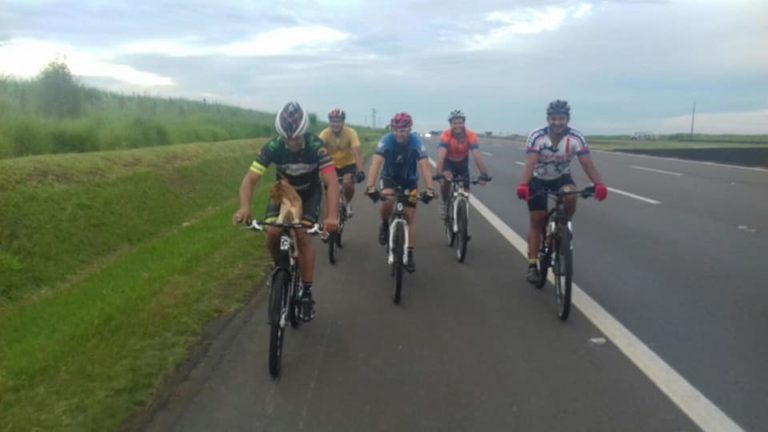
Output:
(373, 117)
(693, 116)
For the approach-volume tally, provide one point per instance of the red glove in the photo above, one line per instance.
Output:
(600, 191)
(522, 191)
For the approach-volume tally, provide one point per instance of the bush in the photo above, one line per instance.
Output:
(144, 132)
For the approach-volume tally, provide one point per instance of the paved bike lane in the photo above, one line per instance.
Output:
(471, 347)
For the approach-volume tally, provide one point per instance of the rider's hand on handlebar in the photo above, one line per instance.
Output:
(330, 225)
(241, 216)
(359, 176)
(448, 176)
(601, 192)
(427, 196)
(373, 194)
(483, 179)
(523, 191)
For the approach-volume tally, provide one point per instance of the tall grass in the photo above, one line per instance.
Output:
(54, 114)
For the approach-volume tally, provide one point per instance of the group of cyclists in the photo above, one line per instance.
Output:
(303, 158)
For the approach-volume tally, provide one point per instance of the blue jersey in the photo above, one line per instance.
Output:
(401, 161)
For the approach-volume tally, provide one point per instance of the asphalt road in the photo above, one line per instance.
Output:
(474, 347)
(687, 275)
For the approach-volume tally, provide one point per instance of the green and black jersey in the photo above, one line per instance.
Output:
(302, 168)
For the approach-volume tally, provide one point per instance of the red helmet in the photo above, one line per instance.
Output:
(337, 113)
(401, 120)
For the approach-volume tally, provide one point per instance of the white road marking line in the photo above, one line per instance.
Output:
(656, 170)
(520, 163)
(486, 153)
(689, 399)
(631, 195)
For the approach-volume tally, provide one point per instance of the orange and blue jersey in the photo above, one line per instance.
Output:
(458, 149)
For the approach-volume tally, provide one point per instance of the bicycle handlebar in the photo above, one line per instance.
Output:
(259, 226)
(456, 179)
(584, 193)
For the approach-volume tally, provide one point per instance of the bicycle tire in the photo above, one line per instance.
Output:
(399, 240)
(294, 302)
(332, 247)
(544, 259)
(448, 222)
(277, 300)
(563, 273)
(461, 234)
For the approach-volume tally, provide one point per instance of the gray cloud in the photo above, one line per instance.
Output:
(619, 62)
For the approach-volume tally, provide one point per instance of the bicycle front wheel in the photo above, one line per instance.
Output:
(461, 233)
(397, 250)
(563, 272)
(545, 258)
(278, 296)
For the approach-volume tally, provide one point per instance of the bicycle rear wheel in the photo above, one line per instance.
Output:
(332, 245)
(545, 258)
(461, 233)
(397, 250)
(563, 272)
(278, 294)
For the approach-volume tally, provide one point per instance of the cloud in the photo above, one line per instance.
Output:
(280, 41)
(741, 122)
(526, 21)
(27, 57)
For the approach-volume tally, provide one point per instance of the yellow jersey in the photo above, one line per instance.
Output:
(340, 147)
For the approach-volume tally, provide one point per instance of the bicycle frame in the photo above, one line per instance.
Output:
(398, 217)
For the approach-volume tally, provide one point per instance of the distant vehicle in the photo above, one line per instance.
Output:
(427, 135)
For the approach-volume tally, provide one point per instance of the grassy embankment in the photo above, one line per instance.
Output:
(110, 264)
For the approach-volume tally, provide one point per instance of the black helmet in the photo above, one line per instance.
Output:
(559, 107)
(456, 114)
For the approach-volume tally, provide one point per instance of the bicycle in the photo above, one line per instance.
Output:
(456, 218)
(285, 290)
(397, 247)
(556, 249)
(334, 239)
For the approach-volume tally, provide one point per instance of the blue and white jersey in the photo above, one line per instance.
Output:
(555, 159)
(401, 161)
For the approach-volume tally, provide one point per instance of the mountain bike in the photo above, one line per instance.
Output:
(556, 249)
(334, 239)
(456, 220)
(285, 290)
(397, 247)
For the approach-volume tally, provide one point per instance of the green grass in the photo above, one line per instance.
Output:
(679, 141)
(110, 265)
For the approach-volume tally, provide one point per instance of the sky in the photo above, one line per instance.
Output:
(624, 66)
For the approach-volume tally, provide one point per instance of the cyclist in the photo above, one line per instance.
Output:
(453, 151)
(550, 150)
(301, 158)
(344, 145)
(399, 157)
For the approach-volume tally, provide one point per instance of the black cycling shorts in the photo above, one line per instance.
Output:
(538, 200)
(349, 169)
(409, 187)
(458, 169)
